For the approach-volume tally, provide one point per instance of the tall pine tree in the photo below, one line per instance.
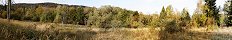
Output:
(211, 10)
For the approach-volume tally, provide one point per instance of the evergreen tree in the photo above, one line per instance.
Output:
(163, 13)
(185, 18)
(185, 15)
(228, 10)
(211, 10)
(169, 11)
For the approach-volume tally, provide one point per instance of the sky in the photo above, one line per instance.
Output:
(145, 6)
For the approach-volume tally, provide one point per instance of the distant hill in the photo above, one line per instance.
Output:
(35, 5)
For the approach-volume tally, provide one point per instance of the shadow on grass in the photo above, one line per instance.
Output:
(193, 35)
(184, 35)
(221, 36)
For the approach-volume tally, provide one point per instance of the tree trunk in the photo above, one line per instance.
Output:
(8, 10)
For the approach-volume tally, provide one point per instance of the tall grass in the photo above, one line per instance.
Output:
(14, 31)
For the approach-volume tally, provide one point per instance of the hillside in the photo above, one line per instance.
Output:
(46, 4)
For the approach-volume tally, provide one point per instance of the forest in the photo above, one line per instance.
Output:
(207, 15)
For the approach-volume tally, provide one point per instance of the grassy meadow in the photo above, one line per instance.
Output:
(22, 30)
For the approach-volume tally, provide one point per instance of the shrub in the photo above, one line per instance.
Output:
(211, 24)
(172, 27)
(47, 17)
(154, 21)
(57, 18)
(18, 14)
(3, 14)
(193, 24)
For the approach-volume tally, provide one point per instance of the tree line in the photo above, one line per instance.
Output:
(207, 14)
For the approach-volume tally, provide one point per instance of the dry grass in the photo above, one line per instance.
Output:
(16, 30)
(31, 30)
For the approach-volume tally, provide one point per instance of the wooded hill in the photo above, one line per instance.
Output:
(68, 14)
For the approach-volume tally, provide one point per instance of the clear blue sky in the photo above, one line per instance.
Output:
(145, 6)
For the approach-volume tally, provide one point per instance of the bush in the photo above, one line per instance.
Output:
(75, 15)
(18, 14)
(172, 27)
(3, 14)
(57, 18)
(193, 24)
(211, 24)
(154, 20)
(47, 17)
